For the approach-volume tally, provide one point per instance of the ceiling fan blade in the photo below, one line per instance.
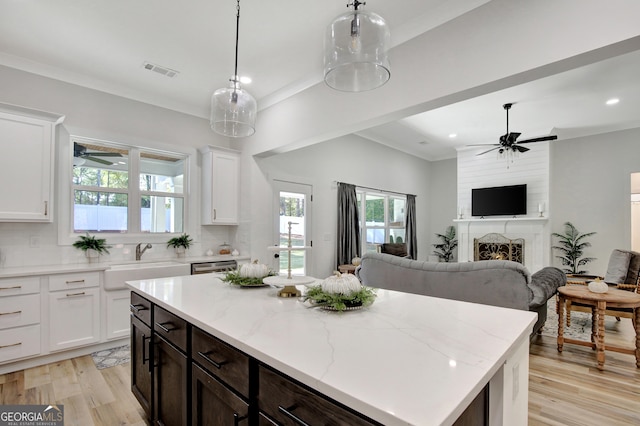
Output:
(492, 149)
(512, 136)
(484, 144)
(103, 154)
(98, 160)
(521, 148)
(540, 139)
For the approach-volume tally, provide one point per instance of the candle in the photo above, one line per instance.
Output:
(540, 207)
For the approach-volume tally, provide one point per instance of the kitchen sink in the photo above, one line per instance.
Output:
(116, 275)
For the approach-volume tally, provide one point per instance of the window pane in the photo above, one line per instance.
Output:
(374, 210)
(99, 211)
(396, 211)
(100, 176)
(161, 214)
(161, 173)
(396, 236)
(375, 236)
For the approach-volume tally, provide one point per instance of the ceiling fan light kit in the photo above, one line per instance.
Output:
(509, 147)
(356, 51)
(233, 109)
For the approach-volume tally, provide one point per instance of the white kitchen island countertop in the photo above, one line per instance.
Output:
(405, 360)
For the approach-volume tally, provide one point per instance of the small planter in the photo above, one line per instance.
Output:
(180, 251)
(92, 255)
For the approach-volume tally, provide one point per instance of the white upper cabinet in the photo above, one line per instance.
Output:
(27, 140)
(220, 186)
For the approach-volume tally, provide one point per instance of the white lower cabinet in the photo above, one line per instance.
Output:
(74, 318)
(19, 318)
(117, 313)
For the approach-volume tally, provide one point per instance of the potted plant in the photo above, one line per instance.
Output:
(180, 244)
(91, 246)
(444, 250)
(571, 245)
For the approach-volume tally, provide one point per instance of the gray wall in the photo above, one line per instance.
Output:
(442, 204)
(591, 187)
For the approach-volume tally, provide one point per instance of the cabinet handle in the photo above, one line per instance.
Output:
(165, 329)
(217, 365)
(75, 294)
(237, 419)
(144, 346)
(11, 288)
(10, 313)
(46, 208)
(74, 282)
(215, 214)
(12, 344)
(287, 412)
(138, 307)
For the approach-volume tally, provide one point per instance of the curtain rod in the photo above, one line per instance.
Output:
(375, 189)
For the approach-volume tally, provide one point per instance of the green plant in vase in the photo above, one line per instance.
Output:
(444, 250)
(92, 247)
(571, 245)
(180, 244)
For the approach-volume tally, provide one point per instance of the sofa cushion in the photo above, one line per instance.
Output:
(634, 268)
(618, 267)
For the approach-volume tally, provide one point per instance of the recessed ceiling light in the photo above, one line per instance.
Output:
(452, 135)
(613, 101)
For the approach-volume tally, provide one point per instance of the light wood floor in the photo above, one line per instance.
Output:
(565, 389)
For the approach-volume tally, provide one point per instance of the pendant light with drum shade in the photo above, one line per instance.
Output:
(356, 47)
(233, 109)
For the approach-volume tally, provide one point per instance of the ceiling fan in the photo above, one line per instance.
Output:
(80, 152)
(508, 141)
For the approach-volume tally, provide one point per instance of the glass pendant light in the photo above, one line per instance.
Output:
(356, 46)
(233, 109)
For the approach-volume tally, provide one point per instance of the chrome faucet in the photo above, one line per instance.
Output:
(139, 251)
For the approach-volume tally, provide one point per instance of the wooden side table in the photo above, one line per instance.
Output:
(347, 269)
(599, 302)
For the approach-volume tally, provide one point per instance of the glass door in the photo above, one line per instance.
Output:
(293, 223)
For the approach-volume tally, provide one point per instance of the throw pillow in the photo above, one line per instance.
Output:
(618, 266)
(634, 268)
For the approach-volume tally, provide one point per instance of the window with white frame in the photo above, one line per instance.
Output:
(382, 219)
(122, 189)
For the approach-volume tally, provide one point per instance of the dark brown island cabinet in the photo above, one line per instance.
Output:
(182, 375)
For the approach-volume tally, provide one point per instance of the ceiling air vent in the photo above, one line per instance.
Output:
(160, 70)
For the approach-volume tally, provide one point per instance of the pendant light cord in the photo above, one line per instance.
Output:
(235, 73)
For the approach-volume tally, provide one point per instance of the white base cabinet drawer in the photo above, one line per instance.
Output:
(17, 311)
(19, 342)
(17, 286)
(74, 318)
(74, 281)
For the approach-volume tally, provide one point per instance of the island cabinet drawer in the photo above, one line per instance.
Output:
(19, 342)
(224, 361)
(288, 402)
(141, 308)
(17, 286)
(74, 281)
(17, 311)
(171, 327)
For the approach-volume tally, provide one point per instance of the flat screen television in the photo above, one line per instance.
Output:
(499, 201)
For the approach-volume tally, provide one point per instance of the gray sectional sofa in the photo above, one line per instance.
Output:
(491, 282)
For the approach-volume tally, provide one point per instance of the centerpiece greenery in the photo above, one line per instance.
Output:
(571, 245)
(339, 301)
(90, 242)
(234, 277)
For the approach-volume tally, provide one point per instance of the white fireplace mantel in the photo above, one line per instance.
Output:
(534, 231)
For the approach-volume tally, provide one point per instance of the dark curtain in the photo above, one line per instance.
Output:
(412, 238)
(348, 239)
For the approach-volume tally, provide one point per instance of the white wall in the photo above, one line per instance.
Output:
(348, 159)
(591, 186)
(90, 113)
